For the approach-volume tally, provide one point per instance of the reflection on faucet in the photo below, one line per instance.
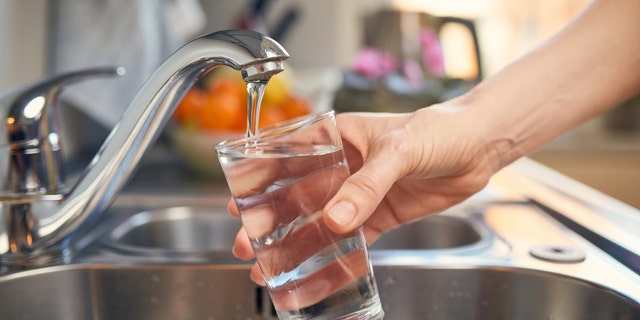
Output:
(39, 219)
(31, 164)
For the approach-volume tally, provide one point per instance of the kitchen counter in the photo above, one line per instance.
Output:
(606, 222)
(607, 161)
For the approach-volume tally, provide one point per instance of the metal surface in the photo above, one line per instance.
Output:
(484, 236)
(495, 293)
(608, 223)
(225, 292)
(31, 163)
(147, 261)
(434, 232)
(558, 253)
(30, 149)
(212, 229)
(51, 223)
(176, 230)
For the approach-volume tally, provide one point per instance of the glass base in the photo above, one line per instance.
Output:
(359, 301)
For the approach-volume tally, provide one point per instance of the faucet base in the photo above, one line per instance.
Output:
(10, 263)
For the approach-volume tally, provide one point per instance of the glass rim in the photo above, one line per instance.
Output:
(277, 129)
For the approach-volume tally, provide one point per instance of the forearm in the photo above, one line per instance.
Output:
(592, 65)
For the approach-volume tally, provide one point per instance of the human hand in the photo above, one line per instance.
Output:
(242, 247)
(404, 167)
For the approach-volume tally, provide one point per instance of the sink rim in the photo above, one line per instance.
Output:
(115, 230)
(378, 268)
(112, 238)
(486, 243)
(493, 250)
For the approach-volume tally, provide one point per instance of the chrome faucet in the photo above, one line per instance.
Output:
(39, 215)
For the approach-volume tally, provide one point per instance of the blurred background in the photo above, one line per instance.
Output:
(365, 55)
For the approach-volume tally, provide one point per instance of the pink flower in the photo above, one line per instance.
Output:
(432, 52)
(374, 63)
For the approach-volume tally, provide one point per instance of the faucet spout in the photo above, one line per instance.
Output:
(255, 55)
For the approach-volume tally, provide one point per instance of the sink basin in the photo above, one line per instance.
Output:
(496, 293)
(192, 291)
(175, 263)
(176, 230)
(433, 232)
(189, 229)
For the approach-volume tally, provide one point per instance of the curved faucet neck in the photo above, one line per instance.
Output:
(258, 57)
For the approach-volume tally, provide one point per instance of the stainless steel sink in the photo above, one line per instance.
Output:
(176, 230)
(430, 233)
(131, 292)
(225, 292)
(211, 230)
(495, 293)
(154, 261)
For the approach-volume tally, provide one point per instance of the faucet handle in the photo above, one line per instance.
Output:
(30, 149)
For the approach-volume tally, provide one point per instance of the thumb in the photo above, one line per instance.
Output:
(361, 193)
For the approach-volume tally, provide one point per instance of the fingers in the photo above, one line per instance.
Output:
(370, 234)
(242, 246)
(232, 208)
(361, 193)
(356, 200)
(243, 251)
(256, 275)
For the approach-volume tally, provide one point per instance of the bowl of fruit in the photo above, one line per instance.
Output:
(215, 109)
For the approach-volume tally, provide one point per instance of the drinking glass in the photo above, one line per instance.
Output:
(280, 181)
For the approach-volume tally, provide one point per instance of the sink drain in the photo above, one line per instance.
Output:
(557, 253)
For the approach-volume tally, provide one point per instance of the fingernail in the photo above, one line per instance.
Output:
(342, 213)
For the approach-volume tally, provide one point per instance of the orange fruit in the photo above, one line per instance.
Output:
(190, 105)
(223, 112)
(225, 109)
(296, 107)
(227, 84)
(271, 114)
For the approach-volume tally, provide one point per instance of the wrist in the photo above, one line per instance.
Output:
(494, 135)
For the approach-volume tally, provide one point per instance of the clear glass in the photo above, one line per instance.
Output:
(280, 182)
